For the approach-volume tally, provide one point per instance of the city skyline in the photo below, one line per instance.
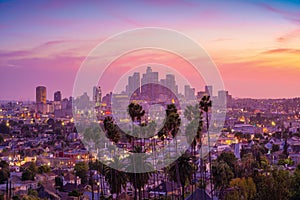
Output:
(160, 99)
(257, 55)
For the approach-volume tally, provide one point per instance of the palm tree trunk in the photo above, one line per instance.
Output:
(182, 189)
(194, 156)
(135, 189)
(91, 180)
(209, 156)
(178, 176)
(135, 192)
(117, 187)
(140, 194)
(101, 185)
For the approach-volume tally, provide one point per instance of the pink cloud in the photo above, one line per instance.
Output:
(222, 39)
(289, 36)
(290, 51)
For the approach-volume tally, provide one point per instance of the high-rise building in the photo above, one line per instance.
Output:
(133, 84)
(41, 94)
(189, 92)
(209, 90)
(149, 77)
(171, 83)
(97, 95)
(148, 81)
(57, 96)
(224, 96)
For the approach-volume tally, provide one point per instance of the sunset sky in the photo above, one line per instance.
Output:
(255, 45)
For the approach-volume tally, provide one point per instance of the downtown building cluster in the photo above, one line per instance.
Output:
(45, 133)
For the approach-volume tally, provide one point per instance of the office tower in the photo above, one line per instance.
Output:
(82, 102)
(136, 82)
(162, 82)
(189, 92)
(148, 82)
(171, 83)
(209, 90)
(149, 77)
(133, 84)
(97, 95)
(41, 95)
(223, 95)
(57, 96)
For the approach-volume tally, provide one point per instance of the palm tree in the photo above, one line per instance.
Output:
(111, 129)
(137, 179)
(136, 113)
(181, 171)
(115, 175)
(172, 120)
(193, 114)
(99, 166)
(171, 124)
(205, 104)
(195, 117)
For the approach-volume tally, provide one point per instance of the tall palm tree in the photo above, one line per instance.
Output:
(99, 166)
(115, 175)
(136, 113)
(193, 114)
(205, 104)
(182, 171)
(171, 125)
(173, 120)
(139, 180)
(111, 129)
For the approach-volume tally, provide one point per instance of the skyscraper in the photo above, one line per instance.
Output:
(97, 95)
(41, 94)
(223, 96)
(133, 83)
(189, 92)
(57, 96)
(149, 77)
(148, 81)
(209, 90)
(171, 83)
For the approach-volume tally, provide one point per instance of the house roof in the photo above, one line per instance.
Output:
(165, 187)
(199, 194)
(69, 187)
(69, 177)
